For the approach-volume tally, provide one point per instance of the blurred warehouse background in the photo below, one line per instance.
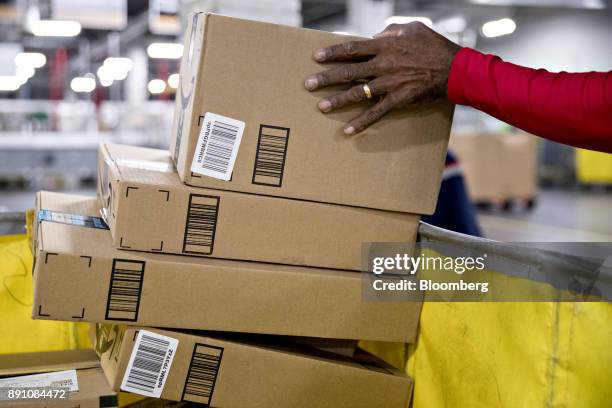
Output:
(76, 73)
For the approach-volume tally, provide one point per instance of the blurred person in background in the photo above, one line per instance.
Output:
(410, 64)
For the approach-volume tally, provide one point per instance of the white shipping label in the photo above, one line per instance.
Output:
(149, 364)
(56, 379)
(217, 146)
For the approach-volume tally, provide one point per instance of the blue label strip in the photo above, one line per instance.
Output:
(72, 219)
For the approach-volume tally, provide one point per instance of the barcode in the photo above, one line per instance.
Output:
(270, 155)
(202, 374)
(149, 364)
(201, 224)
(217, 146)
(125, 290)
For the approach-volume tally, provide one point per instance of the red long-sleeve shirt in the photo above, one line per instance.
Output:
(570, 108)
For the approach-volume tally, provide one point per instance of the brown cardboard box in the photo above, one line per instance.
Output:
(93, 389)
(78, 275)
(497, 166)
(148, 208)
(254, 73)
(245, 371)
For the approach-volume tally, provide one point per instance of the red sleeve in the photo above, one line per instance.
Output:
(570, 108)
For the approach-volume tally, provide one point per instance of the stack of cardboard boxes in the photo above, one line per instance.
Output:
(247, 231)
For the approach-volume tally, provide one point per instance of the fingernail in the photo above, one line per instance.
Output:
(311, 83)
(319, 55)
(349, 130)
(325, 105)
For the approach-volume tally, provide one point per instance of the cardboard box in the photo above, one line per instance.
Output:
(148, 208)
(252, 74)
(237, 371)
(92, 389)
(497, 166)
(78, 275)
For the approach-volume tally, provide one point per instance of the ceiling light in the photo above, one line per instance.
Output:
(593, 4)
(106, 82)
(408, 19)
(341, 32)
(498, 28)
(56, 28)
(165, 50)
(83, 84)
(24, 72)
(173, 81)
(111, 72)
(30, 59)
(156, 86)
(119, 63)
(9, 83)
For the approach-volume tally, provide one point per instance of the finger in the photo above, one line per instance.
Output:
(346, 51)
(368, 117)
(340, 74)
(378, 86)
(389, 101)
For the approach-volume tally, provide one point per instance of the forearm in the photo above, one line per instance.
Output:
(574, 109)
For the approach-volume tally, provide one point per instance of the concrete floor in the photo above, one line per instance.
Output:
(559, 215)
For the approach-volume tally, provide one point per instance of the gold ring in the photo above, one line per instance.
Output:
(367, 91)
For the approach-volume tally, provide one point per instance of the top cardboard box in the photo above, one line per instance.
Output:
(252, 74)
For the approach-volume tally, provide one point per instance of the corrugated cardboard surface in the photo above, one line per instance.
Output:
(149, 209)
(255, 374)
(78, 276)
(497, 166)
(254, 72)
(94, 390)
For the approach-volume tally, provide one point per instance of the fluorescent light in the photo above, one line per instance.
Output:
(408, 19)
(593, 4)
(83, 84)
(498, 28)
(30, 59)
(56, 28)
(106, 82)
(173, 81)
(165, 50)
(111, 72)
(119, 63)
(341, 32)
(25, 72)
(9, 83)
(156, 86)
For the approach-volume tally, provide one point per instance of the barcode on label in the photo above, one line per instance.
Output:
(125, 290)
(202, 374)
(217, 146)
(270, 156)
(201, 224)
(149, 364)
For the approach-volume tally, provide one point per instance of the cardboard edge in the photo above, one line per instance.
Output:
(185, 170)
(111, 213)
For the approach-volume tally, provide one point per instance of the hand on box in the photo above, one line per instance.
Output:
(403, 65)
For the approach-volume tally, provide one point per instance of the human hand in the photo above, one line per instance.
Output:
(403, 65)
